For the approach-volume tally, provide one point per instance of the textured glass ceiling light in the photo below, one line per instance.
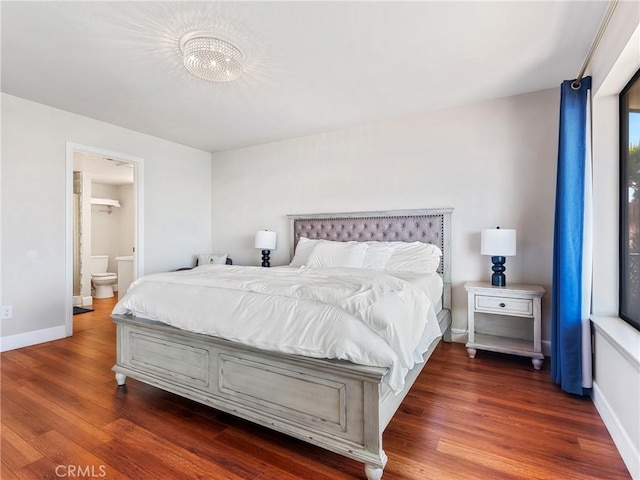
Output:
(210, 58)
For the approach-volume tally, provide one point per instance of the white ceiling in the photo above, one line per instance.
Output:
(311, 67)
(108, 171)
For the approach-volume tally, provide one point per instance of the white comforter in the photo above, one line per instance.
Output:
(363, 316)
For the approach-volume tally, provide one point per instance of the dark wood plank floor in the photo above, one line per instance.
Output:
(493, 417)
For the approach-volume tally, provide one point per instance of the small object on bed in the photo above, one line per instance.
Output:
(212, 259)
(209, 259)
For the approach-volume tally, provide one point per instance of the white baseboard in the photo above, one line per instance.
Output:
(32, 338)
(87, 301)
(459, 335)
(629, 453)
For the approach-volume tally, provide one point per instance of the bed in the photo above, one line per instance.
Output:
(337, 404)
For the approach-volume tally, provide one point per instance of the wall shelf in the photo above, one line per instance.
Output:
(105, 201)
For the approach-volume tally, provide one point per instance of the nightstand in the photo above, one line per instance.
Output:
(513, 300)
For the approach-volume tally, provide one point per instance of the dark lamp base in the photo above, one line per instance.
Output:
(265, 258)
(498, 278)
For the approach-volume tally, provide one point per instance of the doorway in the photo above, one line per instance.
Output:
(104, 218)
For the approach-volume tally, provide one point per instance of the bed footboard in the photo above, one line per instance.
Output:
(332, 404)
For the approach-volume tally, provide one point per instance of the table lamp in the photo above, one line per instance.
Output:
(499, 243)
(265, 241)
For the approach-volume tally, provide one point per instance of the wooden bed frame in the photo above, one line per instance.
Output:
(334, 404)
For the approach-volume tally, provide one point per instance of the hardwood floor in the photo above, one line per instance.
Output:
(493, 417)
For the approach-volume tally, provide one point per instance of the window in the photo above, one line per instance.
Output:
(630, 202)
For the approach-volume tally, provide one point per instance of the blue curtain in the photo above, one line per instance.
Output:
(571, 287)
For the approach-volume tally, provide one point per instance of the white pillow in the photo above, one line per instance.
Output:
(415, 257)
(377, 255)
(303, 249)
(212, 258)
(337, 254)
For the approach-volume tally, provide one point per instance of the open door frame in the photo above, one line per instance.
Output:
(138, 265)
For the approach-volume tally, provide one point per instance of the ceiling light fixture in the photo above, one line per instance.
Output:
(211, 58)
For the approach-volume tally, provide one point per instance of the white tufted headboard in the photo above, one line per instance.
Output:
(428, 226)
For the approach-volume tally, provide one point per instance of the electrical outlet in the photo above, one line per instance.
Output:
(7, 312)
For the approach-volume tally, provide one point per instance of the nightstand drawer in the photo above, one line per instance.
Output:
(505, 306)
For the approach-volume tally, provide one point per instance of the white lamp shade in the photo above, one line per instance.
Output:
(265, 240)
(498, 242)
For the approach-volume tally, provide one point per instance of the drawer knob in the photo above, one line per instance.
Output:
(502, 305)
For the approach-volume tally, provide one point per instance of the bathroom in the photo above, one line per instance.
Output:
(104, 227)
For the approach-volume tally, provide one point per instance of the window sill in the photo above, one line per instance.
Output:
(622, 336)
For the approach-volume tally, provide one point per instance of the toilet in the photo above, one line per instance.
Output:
(102, 280)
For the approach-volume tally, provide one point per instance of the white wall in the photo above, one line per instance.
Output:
(113, 233)
(177, 202)
(84, 180)
(127, 239)
(105, 226)
(493, 162)
(616, 388)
